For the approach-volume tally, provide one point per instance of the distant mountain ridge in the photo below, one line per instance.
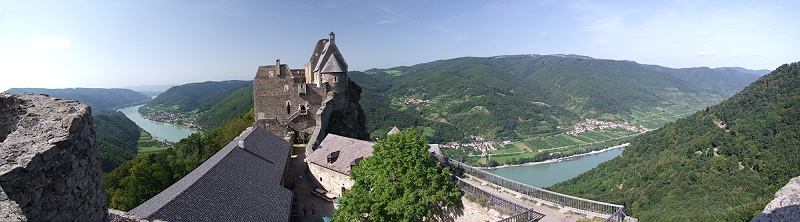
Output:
(477, 94)
(101, 100)
(759, 72)
(723, 163)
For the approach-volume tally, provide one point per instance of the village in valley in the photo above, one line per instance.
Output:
(592, 124)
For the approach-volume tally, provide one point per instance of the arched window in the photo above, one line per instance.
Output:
(288, 107)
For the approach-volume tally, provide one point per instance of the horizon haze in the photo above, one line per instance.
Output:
(118, 44)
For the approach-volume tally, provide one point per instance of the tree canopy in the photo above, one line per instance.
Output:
(401, 181)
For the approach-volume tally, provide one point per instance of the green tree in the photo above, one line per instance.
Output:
(401, 181)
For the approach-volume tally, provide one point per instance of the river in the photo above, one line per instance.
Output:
(543, 175)
(168, 132)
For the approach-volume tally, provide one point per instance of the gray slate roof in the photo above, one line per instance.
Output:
(332, 66)
(330, 52)
(235, 184)
(349, 150)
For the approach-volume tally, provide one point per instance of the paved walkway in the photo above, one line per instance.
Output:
(309, 207)
(551, 214)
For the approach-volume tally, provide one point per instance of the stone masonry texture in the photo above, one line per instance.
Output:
(49, 164)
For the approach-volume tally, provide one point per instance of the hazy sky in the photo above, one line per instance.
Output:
(58, 44)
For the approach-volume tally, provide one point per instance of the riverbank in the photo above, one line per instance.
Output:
(556, 160)
(163, 131)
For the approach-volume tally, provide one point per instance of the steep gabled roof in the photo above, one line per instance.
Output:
(349, 151)
(332, 66)
(393, 131)
(330, 52)
(235, 184)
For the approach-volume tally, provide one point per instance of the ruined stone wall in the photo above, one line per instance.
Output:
(121, 216)
(324, 114)
(50, 167)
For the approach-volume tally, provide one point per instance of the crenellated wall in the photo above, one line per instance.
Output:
(49, 164)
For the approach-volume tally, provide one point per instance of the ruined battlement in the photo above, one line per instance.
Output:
(49, 165)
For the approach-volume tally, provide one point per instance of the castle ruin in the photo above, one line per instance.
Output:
(300, 102)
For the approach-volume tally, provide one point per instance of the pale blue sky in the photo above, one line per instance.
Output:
(57, 44)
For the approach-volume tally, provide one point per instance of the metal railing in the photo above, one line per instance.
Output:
(520, 213)
(580, 205)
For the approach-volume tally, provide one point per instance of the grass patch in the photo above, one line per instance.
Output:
(147, 145)
(428, 132)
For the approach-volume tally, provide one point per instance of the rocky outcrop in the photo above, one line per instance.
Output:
(785, 206)
(49, 164)
(347, 118)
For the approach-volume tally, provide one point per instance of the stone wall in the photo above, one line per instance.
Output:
(324, 114)
(50, 167)
(278, 97)
(785, 206)
(122, 216)
(331, 180)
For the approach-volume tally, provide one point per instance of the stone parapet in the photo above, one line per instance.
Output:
(49, 166)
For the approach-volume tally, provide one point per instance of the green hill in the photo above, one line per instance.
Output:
(194, 97)
(102, 101)
(520, 96)
(227, 108)
(722, 81)
(117, 138)
(723, 163)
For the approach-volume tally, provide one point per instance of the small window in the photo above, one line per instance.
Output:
(271, 73)
(335, 78)
(285, 88)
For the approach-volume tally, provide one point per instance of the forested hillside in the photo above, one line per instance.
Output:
(381, 117)
(194, 97)
(117, 138)
(722, 81)
(723, 163)
(102, 101)
(523, 95)
(227, 108)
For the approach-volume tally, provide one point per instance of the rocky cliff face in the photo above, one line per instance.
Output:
(49, 164)
(347, 118)
(785, 206)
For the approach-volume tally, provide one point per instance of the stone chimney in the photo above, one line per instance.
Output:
(331, 38)
(278, 67)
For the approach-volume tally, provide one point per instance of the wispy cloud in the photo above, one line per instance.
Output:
(386, 21)
(544, 34)
(50, 42)
(419, 24)
(705, 54)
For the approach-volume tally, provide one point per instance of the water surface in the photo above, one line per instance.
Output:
(169, 132)
(543, 175)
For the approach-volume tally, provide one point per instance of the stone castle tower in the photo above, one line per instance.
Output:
(301, 101)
